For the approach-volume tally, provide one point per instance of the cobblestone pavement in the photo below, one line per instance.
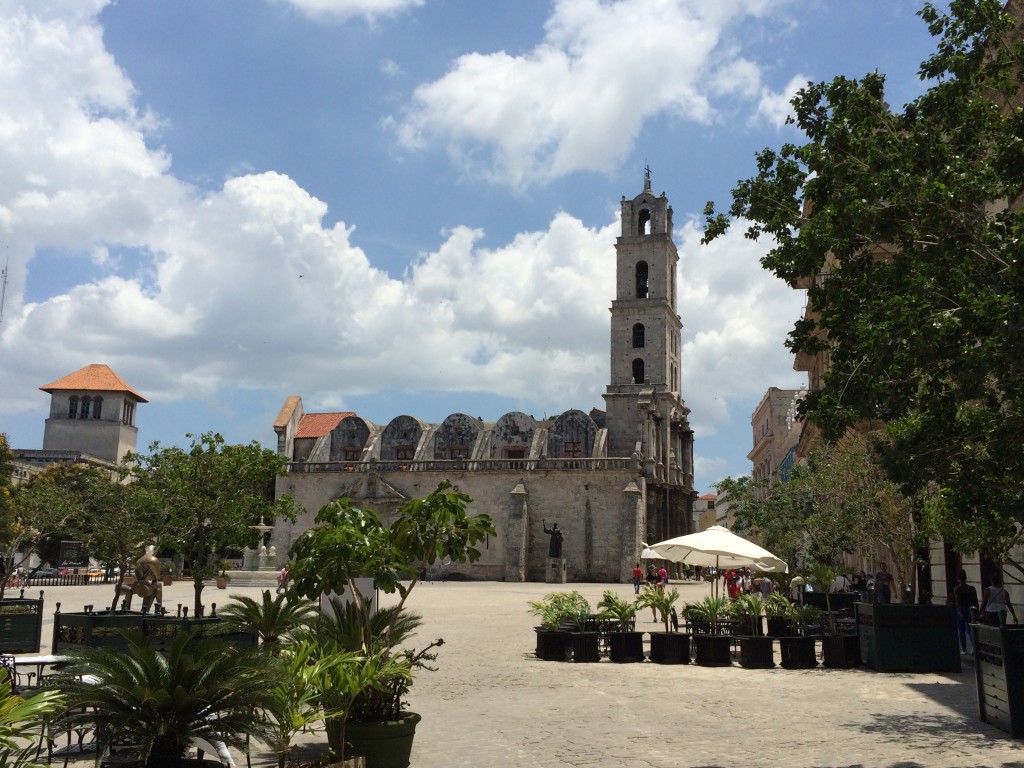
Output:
(493, 703)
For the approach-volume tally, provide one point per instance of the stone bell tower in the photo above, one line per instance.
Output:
(93, 411)
(646, 414)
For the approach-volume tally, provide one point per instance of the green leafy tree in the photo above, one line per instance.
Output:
(906, 226)
(39, 512)
(347, 543)
(210, 495)
(837, 502)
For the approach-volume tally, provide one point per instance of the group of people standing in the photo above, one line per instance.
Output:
(994, 606)
(656, 578)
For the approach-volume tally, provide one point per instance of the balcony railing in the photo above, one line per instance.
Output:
(465, 465)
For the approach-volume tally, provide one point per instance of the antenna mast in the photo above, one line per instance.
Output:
(3, 289)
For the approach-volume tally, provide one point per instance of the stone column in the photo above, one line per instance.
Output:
(632, 527)
(516, 539)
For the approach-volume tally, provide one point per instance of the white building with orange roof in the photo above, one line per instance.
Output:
(92, 417)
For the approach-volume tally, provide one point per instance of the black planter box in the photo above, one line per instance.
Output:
(21, 624)
(627, 647)
(586, 648)
(104, 630)
(778, 628)
(712, 650)
(908, 638)
(999, 669)
(840, 651)
(798, 652)
(553, 644)
(757, 652)
(670, 648)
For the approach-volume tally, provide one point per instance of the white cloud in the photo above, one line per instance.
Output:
(343, 10)
(578, 100)
(773, 108)
(195, 293)
(735, 319)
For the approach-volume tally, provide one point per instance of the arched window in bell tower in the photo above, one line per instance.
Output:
(638, 336)
(638, 371)
(73, 407)
(643, 222)
(641, 280)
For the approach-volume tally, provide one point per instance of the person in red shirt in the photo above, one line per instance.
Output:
(638, 576)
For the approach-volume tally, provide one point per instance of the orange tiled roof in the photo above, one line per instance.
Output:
(95, 377)
(319, 424)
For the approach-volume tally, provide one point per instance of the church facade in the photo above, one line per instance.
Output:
(610, 479)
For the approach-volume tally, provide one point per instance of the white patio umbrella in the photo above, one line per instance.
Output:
(719, 547)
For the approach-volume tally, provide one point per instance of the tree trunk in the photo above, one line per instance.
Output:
(197, 583)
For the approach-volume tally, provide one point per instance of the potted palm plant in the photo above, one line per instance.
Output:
(756, 650)
(577, 616)
(209, 690)
(271, 619)
(670, 646)
(838, 650)
(625, 644)
(712, 647)
(776, 613)
(799, 649)
(553, 641)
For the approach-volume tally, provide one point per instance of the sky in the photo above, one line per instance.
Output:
(395, 206)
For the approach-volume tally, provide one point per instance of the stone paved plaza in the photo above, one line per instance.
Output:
(492, 703)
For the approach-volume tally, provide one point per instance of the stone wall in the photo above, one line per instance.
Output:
(599, 512)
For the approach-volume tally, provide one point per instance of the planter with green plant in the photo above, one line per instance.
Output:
(756, 650)
(348, 545)
(799, 650)
(625, 644)
(577, 617)
(838, 650)
(777, 609)
(670, 646)
(553, 640)
(712, 646)
(209, 690)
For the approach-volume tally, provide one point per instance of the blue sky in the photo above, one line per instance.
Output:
(394, 206)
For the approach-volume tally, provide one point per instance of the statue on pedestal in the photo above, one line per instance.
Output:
(555, 543)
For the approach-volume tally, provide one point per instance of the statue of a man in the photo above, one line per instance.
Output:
(555, 543)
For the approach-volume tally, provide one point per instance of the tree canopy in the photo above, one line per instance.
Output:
(838, 501)
(906, 226)
(210, 496)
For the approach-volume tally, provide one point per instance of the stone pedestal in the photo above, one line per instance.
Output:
(556, 571)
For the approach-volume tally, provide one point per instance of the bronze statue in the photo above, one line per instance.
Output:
(555, 543)
(148, 583)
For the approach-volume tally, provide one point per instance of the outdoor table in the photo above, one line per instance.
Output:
(39, 663)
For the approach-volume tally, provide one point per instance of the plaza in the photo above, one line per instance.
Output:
(493, 703)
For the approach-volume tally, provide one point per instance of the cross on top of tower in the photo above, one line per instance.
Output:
(647, 178)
